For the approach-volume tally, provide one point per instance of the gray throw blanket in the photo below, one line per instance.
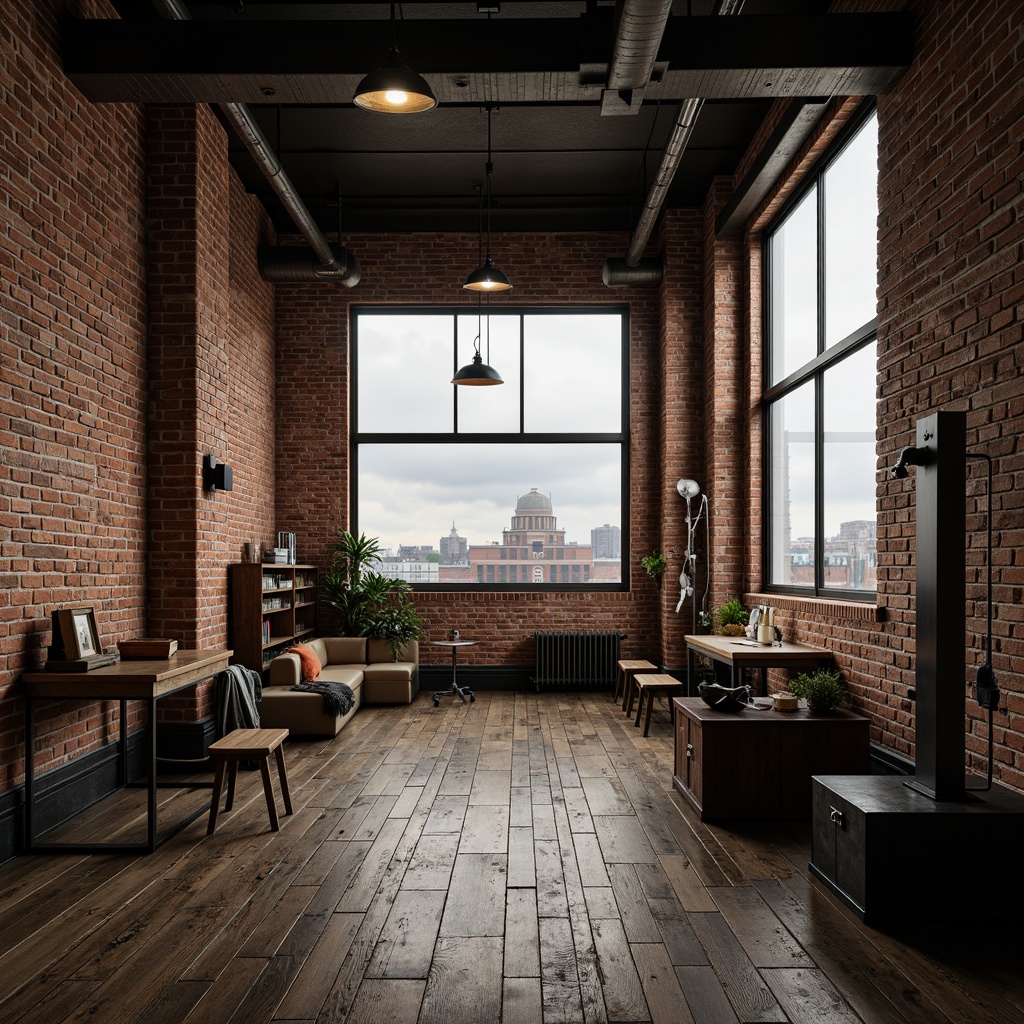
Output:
(338, 697)
(238, 689)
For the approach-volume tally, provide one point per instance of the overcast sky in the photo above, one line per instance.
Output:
(477, 487)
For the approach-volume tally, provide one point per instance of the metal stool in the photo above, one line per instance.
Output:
(245, 745)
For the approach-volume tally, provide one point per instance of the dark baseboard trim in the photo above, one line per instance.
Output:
(886, 762)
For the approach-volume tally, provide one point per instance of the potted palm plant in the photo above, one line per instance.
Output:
(368, 602)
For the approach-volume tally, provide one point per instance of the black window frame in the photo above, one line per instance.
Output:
(812, 371)
(622, 438)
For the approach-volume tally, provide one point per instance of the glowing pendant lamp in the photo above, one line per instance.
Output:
(394, 88)
(487, 277)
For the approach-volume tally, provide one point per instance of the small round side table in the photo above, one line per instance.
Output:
(462, 691)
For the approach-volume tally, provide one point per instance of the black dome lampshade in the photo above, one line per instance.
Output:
(394, 88)
(477, 373)
(488, 278)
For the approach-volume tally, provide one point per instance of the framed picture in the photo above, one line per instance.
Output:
(78, 632)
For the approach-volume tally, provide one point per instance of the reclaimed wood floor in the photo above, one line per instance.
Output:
(519, 860)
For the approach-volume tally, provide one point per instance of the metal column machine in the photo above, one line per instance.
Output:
(923, 849)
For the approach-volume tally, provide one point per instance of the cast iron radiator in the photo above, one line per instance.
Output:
(576, 661)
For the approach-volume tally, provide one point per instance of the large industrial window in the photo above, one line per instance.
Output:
(820, 398)
(516, 486)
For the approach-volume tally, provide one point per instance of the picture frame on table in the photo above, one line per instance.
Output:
(78, 633)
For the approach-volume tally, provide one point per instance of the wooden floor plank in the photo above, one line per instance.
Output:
(522, 934)
(381, 1000)
(406, 943)
(465, 982)
(476, 896)
(623, 993)
(661, 989)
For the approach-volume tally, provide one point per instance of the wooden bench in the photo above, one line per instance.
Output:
(247, 745)
(650, 686)
(624, 679)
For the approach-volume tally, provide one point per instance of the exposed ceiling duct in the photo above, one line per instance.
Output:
(332, 263)
(616, 271)
(641, 25)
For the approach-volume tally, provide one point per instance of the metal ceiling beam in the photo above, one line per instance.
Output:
(474, 61)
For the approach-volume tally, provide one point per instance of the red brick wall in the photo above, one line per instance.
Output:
(951, 241)
(312, 420)
(72, 349)
(127, 248)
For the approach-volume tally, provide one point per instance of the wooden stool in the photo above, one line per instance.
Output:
(651, 686)
(244, 745)
(624, 680)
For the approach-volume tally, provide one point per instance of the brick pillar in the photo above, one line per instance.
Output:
(187, 269)
(726, 434)
(682, 414)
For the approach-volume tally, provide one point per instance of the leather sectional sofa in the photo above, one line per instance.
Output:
(364, 665)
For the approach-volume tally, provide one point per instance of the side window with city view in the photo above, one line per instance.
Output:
(514, 486)
(820, 275)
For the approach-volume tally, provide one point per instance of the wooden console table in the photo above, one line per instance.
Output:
(147, 681)
(758, 764)
(739, 653)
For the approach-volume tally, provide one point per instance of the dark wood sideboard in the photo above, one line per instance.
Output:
(758, 764)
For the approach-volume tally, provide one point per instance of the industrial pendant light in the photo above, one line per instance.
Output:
(487, 277)
(394, 88)
(478, 373)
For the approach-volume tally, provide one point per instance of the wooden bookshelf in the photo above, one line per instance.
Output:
(272, 608)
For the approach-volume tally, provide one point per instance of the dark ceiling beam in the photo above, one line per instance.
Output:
(322, 61)
(792, 131)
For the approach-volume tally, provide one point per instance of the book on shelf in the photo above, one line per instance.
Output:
(147, 647)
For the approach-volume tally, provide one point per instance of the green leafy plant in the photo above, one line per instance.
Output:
(822, 689)
(368, 602)
(733, 617)
(654, 564)
(395, 620)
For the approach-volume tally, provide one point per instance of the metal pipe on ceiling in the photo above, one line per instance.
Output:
(336, 263)
(623, 271)
(641, 24)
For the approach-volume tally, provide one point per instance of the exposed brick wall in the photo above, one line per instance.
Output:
(81, 328)
(72, 348)
(312, 419)
(951, 242)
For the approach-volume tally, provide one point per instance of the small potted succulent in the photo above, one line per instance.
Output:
(733, 618)
(822, 689)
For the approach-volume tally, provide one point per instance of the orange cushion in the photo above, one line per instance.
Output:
(310, 662)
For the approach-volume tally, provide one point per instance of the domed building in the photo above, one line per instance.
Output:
(532, 550)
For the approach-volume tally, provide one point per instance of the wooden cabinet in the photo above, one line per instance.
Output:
(758, 764)
(272, 607)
